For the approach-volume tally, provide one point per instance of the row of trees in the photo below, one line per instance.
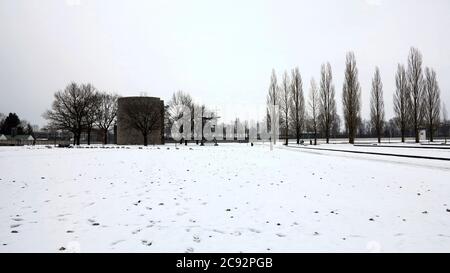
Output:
(417, 97)
(290, 97)
(80, 108)
(174, 112)
(416, 100)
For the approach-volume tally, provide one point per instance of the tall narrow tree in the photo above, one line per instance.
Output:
(351, 97)
(285, 100)
(377, 104)
(298, 103)
(402, 101)
(272, 102)
(327, 100)
(415, 86)
(314, 103)
(432, 101)
(445, 123)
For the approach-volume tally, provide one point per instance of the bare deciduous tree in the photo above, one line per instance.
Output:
(285, 101)
(377, 104)
(69, 110)
(432, 101)
(415, 86)
(92, 108)
(144, 116)
(107, 113)
(327, 100)
(298, 103)
(351, 97)
(314, 102)
(402, 101)
(179, 100)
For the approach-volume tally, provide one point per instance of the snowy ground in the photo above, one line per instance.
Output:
(233, 197)
(414, 150)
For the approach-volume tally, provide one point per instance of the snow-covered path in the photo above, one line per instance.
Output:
(227, 198)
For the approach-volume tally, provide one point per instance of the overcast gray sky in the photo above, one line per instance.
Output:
(222, 52)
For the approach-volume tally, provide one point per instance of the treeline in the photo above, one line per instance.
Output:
(80, 108)
(416, 100)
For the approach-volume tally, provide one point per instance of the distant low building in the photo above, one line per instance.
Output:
(17, 140)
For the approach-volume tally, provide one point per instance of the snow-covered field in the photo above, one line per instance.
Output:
(233, 197)
(414, 150)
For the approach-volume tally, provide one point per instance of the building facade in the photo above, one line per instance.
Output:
(138, 115)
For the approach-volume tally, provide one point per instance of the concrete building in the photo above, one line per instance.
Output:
(137, 113)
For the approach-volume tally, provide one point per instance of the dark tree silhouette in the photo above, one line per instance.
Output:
(432, 101)
(69, 110)
(92, 98)
(351, 97)
(415, 86)
(12, 125)
(107, 113)
(285, 101)
(297, 113)
(314, 103)
(272, 101)
(327, 100)
(377, 104)
(402, 101)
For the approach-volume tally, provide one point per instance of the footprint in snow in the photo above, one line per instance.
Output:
(219, 231)
(196, 238)
(189, 250)
(254, 230)
(116, 242)
(136, 231)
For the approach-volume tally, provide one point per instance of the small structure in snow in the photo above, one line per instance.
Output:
(422, 134)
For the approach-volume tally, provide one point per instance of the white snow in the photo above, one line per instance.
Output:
(233, 197)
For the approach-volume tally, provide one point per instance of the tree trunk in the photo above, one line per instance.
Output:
(431, 131)
(78, 138)
(105, 136)
(145, 139)
(315, 136)
(403, 135)
(351, 137)
(89, 136)
(416, 132)
(379, 134)
(286, 136)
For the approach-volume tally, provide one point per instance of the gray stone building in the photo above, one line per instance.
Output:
(140, 121)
